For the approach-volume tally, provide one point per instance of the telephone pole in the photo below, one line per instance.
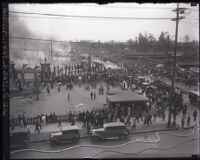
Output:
(25, 47)
(178, 11)
(51, 52)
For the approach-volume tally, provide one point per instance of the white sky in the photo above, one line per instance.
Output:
(105, 29)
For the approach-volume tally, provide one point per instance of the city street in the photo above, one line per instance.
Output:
(79, 101)
(57, 101)
(168, 146)
(109, 80)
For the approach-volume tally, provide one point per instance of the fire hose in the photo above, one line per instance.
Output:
(116, 146)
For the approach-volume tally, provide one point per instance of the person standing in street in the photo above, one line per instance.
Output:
(40, 121)
(88, 128)
(184, 113)
(59, 123)
(128, 120)
(21, 123)
(134, 125)
(149, 118)
(58, 88)
(182, 123)
(137, 118)
(91, 96)
(73, 121)
(185, 108)
(154, 117)
(44, 120)
(188, 121)
(84, 121)
(68, 96)
(195, 115)
(94, 95)
(48, 89)
(37, 126)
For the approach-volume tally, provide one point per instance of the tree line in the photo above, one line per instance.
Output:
(144, 42)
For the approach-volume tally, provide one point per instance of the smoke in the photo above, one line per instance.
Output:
(32, 52)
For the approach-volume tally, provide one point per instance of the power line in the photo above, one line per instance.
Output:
(128, 7)
(37, 39)
(192, 19)
(42, 17)
(73, 18)
(190, 24)
(96, 17)
(37, 50)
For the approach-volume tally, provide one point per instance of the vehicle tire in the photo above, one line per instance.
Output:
(26, 142)
(53, 142)
(123, 137)
(95, 138)
(75, 139)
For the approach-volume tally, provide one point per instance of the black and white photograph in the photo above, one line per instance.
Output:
(118, 80)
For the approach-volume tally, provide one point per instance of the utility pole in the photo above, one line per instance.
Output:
(51, 52)
(177, 10)
(25, 47)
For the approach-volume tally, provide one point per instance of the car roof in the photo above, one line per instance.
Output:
(113, 124)
(195, 92)
(69, 128)
(18, 130)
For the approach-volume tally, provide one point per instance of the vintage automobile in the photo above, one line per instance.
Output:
(19, 138)
(67, 134)
(113, 130)
(194, 97)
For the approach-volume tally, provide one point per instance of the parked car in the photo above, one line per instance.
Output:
(67, 134)
(113, 130)
(194, 97)
(19, 139)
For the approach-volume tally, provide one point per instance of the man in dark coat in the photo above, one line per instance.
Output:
(91, 96)
(37, 126)
(195, 115)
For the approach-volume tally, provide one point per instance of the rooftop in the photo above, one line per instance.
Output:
(69, 128)
(113, 124)
(126, 96)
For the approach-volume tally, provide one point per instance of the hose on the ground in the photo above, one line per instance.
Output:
(146, 149)
(107, 147)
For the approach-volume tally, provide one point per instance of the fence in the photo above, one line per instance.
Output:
(32, 120)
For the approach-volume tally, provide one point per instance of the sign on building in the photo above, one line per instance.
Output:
(45, 72)
(29, 76)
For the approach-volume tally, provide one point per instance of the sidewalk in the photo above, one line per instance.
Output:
(46, 131)
(159, 125)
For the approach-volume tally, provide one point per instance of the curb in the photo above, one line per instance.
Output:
(155, 130)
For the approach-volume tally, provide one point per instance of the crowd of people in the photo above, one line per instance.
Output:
(156, 107)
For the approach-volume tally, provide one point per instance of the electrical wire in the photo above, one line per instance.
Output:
(192, 19)
(190, 24)
(35, 39)
(99, 17)
(122, 7)
(116, 146)
(37, 50)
